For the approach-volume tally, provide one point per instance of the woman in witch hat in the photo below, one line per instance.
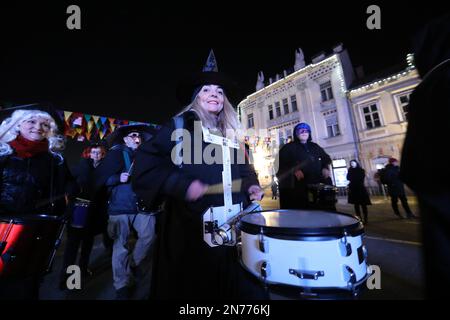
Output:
(35, 181)
(186, 267)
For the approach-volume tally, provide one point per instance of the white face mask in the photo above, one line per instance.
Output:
(353, 164)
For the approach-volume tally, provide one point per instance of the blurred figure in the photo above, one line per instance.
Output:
(396, 189)
(428, 114)
(274, 188)
(89, 214)
(357, 192)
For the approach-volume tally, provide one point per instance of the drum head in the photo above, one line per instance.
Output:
(30, 218)
(298, 224)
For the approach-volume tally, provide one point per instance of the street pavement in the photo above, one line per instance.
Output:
(393, 244)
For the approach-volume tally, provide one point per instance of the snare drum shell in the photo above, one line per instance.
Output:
(282, 255)
(29, 245)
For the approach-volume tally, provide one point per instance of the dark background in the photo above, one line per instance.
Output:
(126, 60)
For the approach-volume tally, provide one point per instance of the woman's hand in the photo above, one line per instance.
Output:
(196, 190)
(256, 193)
(325, 173)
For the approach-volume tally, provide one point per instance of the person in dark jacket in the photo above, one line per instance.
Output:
(35, 182)
(92, 215)
(125, 210)
(396, 189)
(357, 192)
(427, 134)
(186, 267)
(300, 163)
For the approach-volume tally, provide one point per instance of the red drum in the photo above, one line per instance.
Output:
(28, 244)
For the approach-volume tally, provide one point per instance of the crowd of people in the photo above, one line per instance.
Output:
(136, 190)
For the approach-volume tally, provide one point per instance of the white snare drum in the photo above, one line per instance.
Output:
(317, 250)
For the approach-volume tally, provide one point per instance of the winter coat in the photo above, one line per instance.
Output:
(86, 176)
(186, 267)
(121, 197)
(429, 111)
(357, 192)
(395, 185)
(310, 158)
(35, 185)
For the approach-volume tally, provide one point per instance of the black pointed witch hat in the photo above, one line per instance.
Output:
(209, 75)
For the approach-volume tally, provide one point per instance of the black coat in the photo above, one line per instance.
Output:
(308, 157)
(86, 175)
(392, 177)
(357, 192)
(35, 185)
(186, 267)
(121, 197)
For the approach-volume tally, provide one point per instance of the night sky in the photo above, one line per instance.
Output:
(127, 59)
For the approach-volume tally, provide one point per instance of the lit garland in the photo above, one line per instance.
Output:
(408, 70)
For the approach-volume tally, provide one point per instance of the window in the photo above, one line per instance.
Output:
(326, 91)
(270, 112)
(285, 106)
(371, 116)
(403, 101)
(332, 126)
(294, 103)
(278, 109)
(250, 121)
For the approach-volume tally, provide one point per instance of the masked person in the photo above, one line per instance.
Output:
(186, 266)
(357, 192)
(301, 164)
(125, 210)
(34, 189)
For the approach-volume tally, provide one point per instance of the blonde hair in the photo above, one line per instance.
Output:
(227, 119)
(10, 129)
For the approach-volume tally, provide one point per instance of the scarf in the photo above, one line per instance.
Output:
(27, 148)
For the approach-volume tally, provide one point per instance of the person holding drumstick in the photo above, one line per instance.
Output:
(35, 181)
(124, 209)
(186, 267)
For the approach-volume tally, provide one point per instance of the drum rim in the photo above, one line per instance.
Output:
(22, 218)
(312, 234)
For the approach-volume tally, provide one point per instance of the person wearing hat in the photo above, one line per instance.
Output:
(35, 181)
(186, 267)
(300, 163)
(396, 189)
(125, 210)
(357, 192)
(91, 219)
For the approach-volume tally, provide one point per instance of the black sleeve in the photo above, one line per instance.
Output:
(154, 172)
(247, 171)
(326, 159)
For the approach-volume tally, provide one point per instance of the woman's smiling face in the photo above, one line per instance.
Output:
(35, 128)
(211, 98)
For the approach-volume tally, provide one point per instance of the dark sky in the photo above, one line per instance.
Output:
(127, 59)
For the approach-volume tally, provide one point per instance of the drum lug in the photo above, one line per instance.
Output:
(263, 244)
(345, 247)
(308, 275)
(264, 270)
(350, 276)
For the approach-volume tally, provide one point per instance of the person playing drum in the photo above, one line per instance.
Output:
(89, 216)
(186, 267)
(300, 163)
(35, 181)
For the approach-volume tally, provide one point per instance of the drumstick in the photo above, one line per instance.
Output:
(131, 167)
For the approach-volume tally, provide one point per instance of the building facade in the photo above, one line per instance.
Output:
(380, 112)
(315, 94)
(366, 121)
